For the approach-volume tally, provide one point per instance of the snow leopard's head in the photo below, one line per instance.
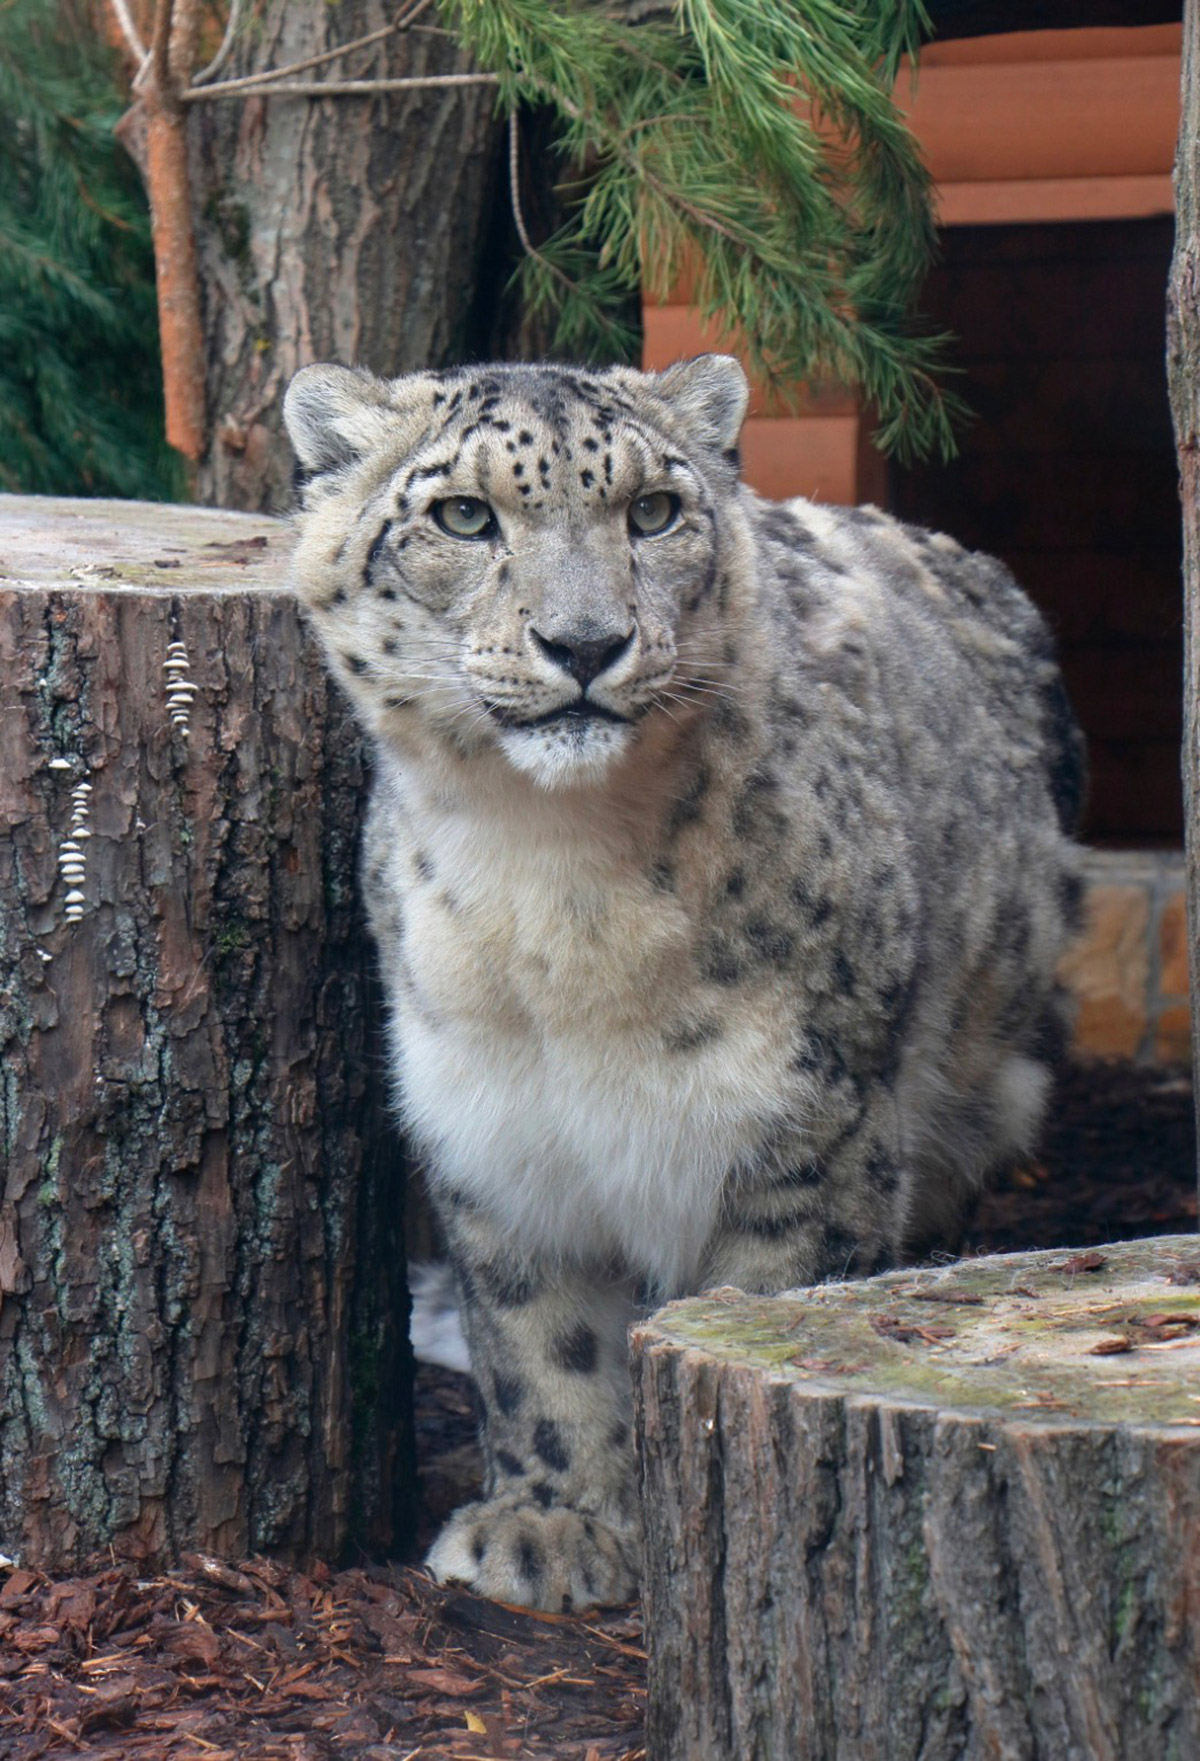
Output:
(535, 557)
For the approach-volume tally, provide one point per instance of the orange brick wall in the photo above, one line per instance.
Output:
(1029, 126)
(1049, 125)
(813, 451)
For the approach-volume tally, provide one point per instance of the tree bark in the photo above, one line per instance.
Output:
(937, 1514)
(1183, 380)
(350, 229)
(201, 1276)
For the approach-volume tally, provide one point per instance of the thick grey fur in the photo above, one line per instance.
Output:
(719, 870)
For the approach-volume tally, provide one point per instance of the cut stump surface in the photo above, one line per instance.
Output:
(942, 1513)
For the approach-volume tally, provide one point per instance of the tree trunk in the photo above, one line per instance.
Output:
(939, 1514)
(350, 229)
(200, 1264)
(1183, 379)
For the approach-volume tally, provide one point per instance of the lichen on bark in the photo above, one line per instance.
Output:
(939, 1514)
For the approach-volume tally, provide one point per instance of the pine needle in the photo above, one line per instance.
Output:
(754, 146)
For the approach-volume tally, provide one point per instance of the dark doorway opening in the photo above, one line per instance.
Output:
(1068, 473)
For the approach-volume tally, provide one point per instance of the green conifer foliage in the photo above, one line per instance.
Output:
(754, 145)
(80, 390)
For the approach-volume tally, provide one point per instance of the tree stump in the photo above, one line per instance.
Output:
(201, 1272)
(949, 1513)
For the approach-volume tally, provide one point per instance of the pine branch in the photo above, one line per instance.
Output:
(756, 143)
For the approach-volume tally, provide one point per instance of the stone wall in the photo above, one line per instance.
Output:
(1130, 969)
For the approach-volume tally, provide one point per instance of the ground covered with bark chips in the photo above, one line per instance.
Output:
(261, 1663)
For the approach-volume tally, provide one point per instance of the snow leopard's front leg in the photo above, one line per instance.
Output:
(558, 1527)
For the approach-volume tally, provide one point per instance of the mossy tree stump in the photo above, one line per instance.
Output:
(950, 1513)
(201, 1273)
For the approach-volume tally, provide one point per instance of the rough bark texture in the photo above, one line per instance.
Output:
(923, 1516)
(1183, 379)
(201, 1273)
(349, 229)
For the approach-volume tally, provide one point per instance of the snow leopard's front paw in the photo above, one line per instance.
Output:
(557, 1559)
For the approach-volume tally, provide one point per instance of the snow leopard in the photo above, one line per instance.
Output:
(719, 857)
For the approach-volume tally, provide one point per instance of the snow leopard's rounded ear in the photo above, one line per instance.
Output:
(335, 415)
(709, 394)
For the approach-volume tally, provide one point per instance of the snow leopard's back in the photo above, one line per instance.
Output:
(973, 733)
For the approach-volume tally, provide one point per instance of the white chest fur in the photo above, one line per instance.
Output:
(548, 979)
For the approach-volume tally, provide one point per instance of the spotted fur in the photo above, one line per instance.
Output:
(719, 873)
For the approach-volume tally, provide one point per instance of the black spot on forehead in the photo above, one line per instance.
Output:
(418, 474)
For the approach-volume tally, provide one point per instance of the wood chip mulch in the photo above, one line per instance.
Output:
(260, 1663)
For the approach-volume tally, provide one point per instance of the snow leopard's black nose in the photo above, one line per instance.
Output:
(584, 658)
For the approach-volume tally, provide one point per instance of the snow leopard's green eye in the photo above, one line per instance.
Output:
(653, 513)
(465, 516)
